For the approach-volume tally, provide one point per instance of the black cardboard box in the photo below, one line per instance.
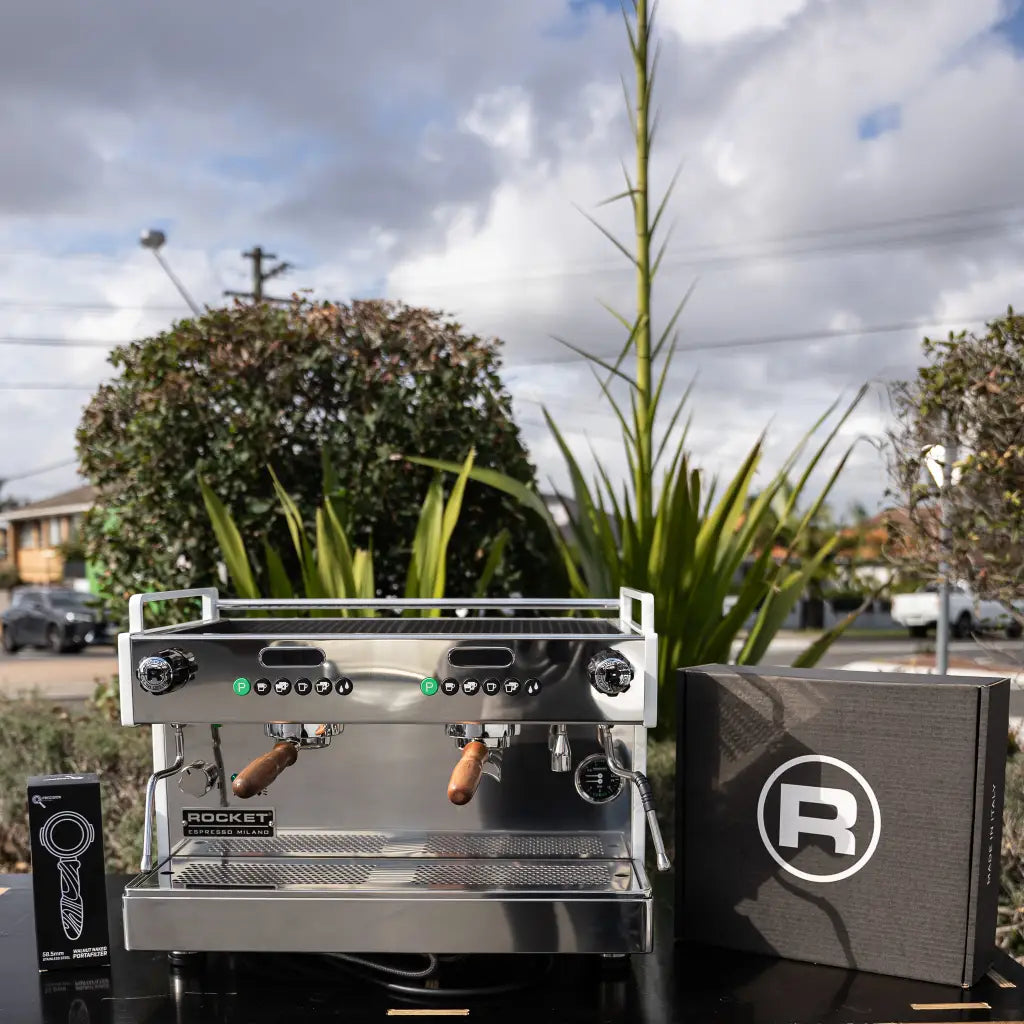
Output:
(68, 884)
(842, 818)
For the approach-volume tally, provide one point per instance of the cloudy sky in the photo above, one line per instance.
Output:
(848, 166)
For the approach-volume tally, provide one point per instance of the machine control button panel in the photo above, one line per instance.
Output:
(343, 686)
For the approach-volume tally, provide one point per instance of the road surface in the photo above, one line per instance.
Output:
(60, 676)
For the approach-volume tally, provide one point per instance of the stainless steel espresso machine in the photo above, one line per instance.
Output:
(364, 781)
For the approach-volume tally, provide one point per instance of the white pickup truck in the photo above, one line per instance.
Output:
(967, 613)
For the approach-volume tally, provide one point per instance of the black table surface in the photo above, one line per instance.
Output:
(675, 983)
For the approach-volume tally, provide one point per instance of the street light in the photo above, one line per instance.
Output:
(152, 239)
(939, 460)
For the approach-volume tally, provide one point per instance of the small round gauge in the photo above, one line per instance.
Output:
(595, 781)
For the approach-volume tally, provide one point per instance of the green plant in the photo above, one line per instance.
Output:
(328, 563)
(237, 389)
(666, 529)
(39, 737)
(8, 577)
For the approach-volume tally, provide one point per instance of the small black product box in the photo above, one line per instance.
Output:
(844, 818)
(68, 882)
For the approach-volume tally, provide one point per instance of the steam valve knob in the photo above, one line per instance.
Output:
(166, 671)
(610, 673)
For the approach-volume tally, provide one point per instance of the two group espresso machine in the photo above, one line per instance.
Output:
(355, 776)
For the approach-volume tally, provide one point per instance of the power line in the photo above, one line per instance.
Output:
(94, 307)
(39, 471)
(751, 342)
(727, 260)
(782, 339)
(30, 340)
(27, 386)
(704, 255)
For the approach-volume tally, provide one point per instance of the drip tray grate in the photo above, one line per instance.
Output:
(512, 845)
(409, 875)
(271, 875)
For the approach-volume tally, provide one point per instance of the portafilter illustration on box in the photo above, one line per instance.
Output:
(66, 835)
(361, 780)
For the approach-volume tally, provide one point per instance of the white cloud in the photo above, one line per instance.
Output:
(721, 21)
(444, 157)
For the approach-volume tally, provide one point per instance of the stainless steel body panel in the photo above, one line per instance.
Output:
(369, 855)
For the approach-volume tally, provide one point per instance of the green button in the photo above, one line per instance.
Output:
(429, 686)
(241, 686)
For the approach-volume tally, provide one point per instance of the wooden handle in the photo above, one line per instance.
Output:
(258, 774)
(467, 773)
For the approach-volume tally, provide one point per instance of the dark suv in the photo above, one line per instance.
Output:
(55, 617)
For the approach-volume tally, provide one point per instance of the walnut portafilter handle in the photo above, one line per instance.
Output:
(257, 775)
(467, 773)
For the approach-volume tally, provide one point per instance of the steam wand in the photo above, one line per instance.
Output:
(643, 788)
(150, 811)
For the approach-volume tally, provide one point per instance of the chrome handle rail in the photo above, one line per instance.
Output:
(137, 604)
(306, 604)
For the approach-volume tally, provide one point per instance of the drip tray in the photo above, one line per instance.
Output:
(276, 902)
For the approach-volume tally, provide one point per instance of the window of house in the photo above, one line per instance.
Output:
(54, 531)
(26, 535)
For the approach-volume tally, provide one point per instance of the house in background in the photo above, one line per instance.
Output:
(35, 533)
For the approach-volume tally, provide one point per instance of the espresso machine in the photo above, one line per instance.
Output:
(402, 776)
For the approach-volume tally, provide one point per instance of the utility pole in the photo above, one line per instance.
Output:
(946, 540)
(261, 276)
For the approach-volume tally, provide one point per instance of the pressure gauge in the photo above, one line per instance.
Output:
(595, 781)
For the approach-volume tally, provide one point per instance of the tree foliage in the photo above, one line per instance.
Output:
(971, 389)
(241, 389)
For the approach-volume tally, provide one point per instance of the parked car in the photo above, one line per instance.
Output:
(55, 617)
(968, 613)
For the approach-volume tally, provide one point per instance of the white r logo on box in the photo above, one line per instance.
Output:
(795, 800)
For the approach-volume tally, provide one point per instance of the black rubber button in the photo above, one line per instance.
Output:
(450, 686)
(303, 686)
(470, 686)
(512, 686)
(491, 687)
(323, 687)
(282, 687)
(262, 687)
(343, 686)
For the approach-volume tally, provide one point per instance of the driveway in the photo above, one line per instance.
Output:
(60, 676)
